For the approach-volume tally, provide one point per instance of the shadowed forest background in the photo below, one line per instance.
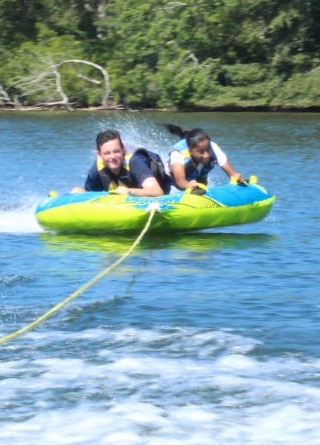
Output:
(194, 54)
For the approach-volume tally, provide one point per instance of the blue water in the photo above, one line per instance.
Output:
(203, 338)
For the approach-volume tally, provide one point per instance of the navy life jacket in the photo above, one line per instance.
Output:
(198, 172)
(111, 182)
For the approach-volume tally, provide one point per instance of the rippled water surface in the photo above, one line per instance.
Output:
(204, 338)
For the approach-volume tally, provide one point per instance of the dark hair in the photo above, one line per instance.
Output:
(106, 136)
(193, 137)
(175, 129)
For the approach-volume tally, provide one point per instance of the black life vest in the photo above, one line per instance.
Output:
(110, 181)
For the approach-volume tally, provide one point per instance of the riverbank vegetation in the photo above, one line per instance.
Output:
(187, 54)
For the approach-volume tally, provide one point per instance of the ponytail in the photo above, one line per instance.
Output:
(176, 130)
(192, 136)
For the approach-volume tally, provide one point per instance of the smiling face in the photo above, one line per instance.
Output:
(112, 154)
(201, 152)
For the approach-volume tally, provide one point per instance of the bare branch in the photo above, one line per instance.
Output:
(4, 97)
(192, 56)
(65, 99)
(171, 5)
(96, 82)
(31, 85)
(107, 88)
(51, 80)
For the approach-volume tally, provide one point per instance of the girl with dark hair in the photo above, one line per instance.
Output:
(193, 157)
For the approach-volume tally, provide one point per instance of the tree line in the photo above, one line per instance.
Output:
(159, 53)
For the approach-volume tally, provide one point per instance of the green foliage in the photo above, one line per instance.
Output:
(301, 90)
(164, 53)
(246, 74)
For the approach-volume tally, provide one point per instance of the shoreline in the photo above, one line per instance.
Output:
(193, 109)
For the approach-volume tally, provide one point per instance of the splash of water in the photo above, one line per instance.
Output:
(17, 218)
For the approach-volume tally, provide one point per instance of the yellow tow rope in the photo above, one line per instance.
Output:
(83, 288)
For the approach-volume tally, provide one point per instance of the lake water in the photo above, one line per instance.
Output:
(207, 338)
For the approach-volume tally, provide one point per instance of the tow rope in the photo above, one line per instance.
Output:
(153, 208)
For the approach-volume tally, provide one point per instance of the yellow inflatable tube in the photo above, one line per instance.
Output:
(98, 212)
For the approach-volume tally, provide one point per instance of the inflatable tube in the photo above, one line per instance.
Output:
(98, 212)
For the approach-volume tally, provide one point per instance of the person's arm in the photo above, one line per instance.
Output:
(231, 172)
(150, 187)
(146, 183)
(77, 190)
(93, 182)
(225, 164)
(178, 173)
(179, 176)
